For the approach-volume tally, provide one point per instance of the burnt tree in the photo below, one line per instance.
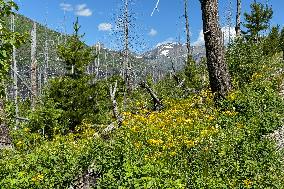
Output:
(219, 77)
(238, 18)
(187, 30)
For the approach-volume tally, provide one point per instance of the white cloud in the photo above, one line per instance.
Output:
(153, 32)
(104, 27)
(227, 33)
(79, 10)
(168, 40)
(83, 10)
(200, 40)
(66, 7)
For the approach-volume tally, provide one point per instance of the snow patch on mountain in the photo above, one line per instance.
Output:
(165, 52)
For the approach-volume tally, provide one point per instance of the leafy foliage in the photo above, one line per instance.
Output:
(8, 40)
(190, 143)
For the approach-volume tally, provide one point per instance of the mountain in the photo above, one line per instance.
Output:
(174, 50)
(165, 56)
(156, 62)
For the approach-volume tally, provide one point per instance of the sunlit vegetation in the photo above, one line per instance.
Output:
(168, 133)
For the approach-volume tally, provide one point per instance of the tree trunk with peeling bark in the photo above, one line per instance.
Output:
(5, 139)
(127, 64)
(187, 30)
(14, 74)
(219, 77)
(33, 67)
(238, 18)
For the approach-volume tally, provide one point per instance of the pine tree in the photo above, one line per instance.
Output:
(75, 54)
(272, 45)
(74, 92)
(257, 20)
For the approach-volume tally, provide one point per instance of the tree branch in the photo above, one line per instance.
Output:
(116, 114)
(157, 102)
(156, 7)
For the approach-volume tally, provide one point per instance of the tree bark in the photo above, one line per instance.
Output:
(157, 102)
(127, 64)
(219, 77)
(116, 113)
(14, 75)
(5, 139)
(238, 18)
(187, 30)
(33, 66)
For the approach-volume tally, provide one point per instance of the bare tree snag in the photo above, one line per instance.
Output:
(127, 65)
(115, 111)
(116, 114)
(14, 74)
(157, 102)
(33, 66)
(219, 77)
(187, 30)
(238, 18)
(5, 139)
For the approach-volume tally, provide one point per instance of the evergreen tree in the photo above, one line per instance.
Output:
(74, 93)
(272, 45)
(75, 54)
(257, 20)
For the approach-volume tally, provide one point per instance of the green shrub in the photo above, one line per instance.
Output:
(53, 164)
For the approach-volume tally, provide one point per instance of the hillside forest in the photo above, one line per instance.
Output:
(78, 116)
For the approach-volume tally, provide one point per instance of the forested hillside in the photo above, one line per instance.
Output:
(177, 116)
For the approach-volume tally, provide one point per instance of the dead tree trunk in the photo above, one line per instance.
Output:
(14, 74)
(219, 77)
(187, 30)
(238, 18)
(5, 139)
(156, 101)
(33, 66)
(116, 114)
(98, 52)
(127, 64)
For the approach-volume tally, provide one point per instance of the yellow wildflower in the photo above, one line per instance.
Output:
(26, 129)
(247, 182)
(210, 118)
(230, 113)
(135, 129)
(20, 143)
(40, 177)
(137, 145)
(173, 153)
(146, 157)
(204, 133)
(256, 76)
(189, 143)
(240, 126)
(155, 142)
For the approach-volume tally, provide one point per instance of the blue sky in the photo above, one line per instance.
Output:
(98, 18)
